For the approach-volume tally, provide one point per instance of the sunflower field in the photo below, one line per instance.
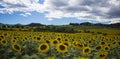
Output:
(53, 45)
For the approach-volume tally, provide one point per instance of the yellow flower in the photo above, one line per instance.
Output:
(86, 50)
(67, 44)
(24, 39)
(102, 55)
(106, 48)
(61, 48)
(43, 47)
(98, 47)
(4, 42)
(38, 39)
(13, 41)
(55, 42)
(16, 47)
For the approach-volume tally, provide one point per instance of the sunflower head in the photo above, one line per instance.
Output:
(4, 42)
(59, 39)
(106, 48)
(13, 41)
(61, 48)
(38, 39)
(55, 42)
(43, 47)
(47, 41)
(98, 47)
(16, 47)
(86, 50)
(67, 44)
(102, 43)
(102, 55)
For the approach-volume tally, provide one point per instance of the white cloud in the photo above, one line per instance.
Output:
(25, 14)
(98, 10)
(11, 6)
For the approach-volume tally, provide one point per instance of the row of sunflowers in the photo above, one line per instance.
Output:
(52, 45)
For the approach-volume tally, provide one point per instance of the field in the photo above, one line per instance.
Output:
(95, 44)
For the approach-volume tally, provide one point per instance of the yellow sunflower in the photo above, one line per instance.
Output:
(24, 39)
(4, 42)
(38, 39)
(86, 50)
(54, 42)
(67, 44)
(13, 41)
(43, 47)
(0, 40)
(102, 55)
(98, 47)
(106, 48)
(16, 47)
(61, 48)
(102, 43)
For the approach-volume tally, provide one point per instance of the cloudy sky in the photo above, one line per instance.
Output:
(59, 12)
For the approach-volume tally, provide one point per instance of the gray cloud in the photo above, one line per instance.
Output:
(98, 10)
(114, 12)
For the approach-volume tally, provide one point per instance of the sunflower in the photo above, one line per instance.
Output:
(118, 43)
(67, 44)
(55, 42)
(61, 48)
(38, 39)
(4, 42)
(2, 36)
(102, 43)
(0, 39)
(47, 41)
(79, 45)
(24, 39)
(106, 48)
(98, 47)
(13, 41)
(16, 47)
(102, 55)
(59, 39)
(74, 44)
(43, 47)
(86, 50)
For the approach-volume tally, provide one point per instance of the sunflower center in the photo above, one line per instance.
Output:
(55, 42)
(62, 47)
(66, 40)
(4, 41)
(106, 48)
(99, 47)
(119, 43)
(47, 42)
(89, 41)
(0, 39)
(66, 44)
(86, 50)
(114, 42)
(38, 38)
(59, 39)
(43, 47)
(102, 55)
(79, 45)
(102, 43)
(17, 47)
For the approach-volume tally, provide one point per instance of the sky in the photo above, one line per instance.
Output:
(59, 12)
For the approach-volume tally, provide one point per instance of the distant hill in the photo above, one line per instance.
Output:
(71, 28)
